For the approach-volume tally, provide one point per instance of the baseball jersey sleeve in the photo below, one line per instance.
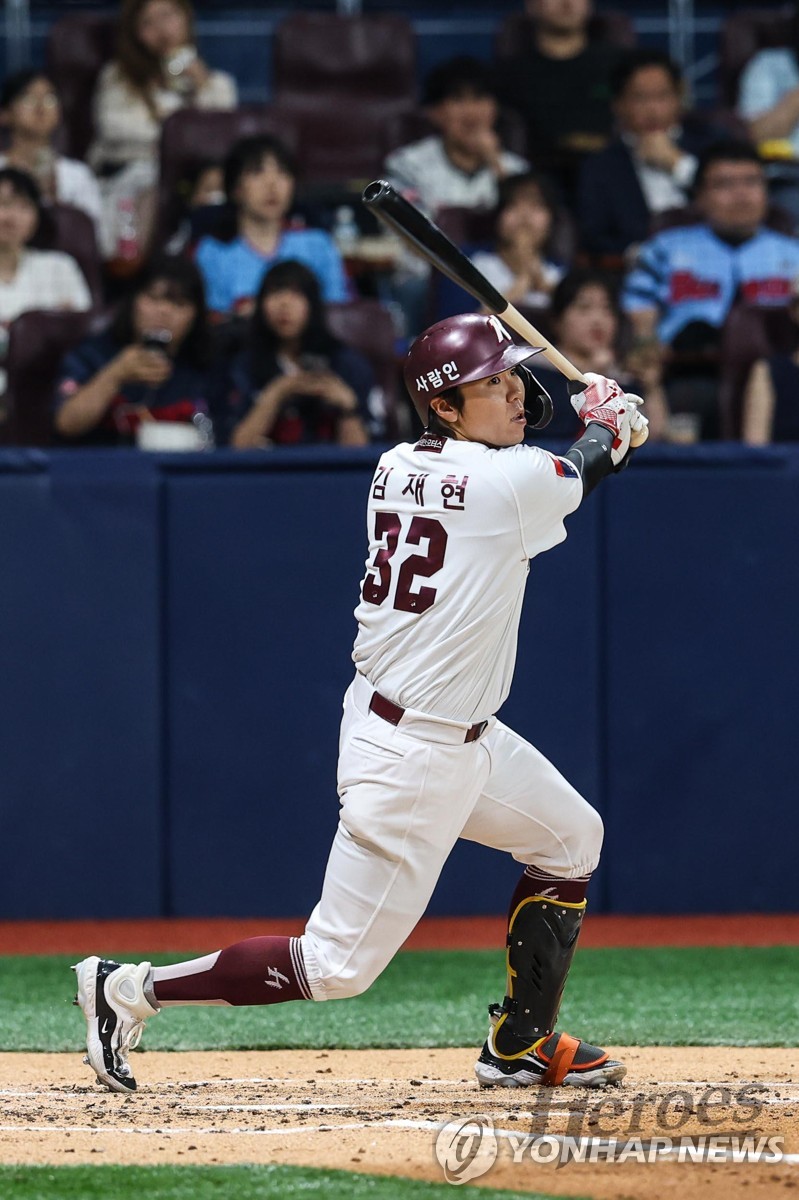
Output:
(544, 490)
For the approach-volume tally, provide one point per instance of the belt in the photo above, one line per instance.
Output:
(393, 714)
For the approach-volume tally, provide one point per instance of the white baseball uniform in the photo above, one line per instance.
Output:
(452, 526)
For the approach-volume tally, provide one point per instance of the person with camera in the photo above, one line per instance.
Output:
(157, 71)
(294, 381)
(150, 365)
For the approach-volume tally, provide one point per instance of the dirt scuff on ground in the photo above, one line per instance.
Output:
(380, 1111)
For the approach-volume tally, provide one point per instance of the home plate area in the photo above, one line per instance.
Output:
(380, 1111)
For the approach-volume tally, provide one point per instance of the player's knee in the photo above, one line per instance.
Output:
(585, 843)
(347, 984)
(580, 845)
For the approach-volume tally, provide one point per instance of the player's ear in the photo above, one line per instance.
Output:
(444, 409)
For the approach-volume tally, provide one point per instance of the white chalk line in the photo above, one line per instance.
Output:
(512, 1135)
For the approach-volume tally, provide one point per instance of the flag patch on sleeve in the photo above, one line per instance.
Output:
(565, 468)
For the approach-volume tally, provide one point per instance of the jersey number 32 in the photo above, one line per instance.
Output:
(377, 584)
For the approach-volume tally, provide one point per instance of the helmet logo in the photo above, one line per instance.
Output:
(499, 329)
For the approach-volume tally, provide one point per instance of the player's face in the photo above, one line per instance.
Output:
(493, 411)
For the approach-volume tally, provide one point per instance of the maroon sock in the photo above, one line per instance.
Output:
(260, 970)
(535, 882)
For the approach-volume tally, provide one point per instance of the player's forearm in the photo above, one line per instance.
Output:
(591, 456)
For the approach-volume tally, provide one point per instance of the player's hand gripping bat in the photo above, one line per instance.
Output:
(426, 239)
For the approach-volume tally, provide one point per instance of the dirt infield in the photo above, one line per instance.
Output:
(380, 1111)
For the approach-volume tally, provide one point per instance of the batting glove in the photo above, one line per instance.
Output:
(604, 403)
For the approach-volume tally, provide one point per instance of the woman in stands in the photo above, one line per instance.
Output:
(150, 365)
(31, 111)
(294, 381)
(157, 71)
(260, 178)
(520, 266)
(586, 320)
(31, 279)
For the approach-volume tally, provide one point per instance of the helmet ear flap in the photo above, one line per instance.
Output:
(537, 400)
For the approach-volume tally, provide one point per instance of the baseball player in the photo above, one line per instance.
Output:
(453, 522)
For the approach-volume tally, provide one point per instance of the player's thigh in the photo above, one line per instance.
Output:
(398, 790)
(528, 809)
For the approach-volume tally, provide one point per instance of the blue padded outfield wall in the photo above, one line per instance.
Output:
(175, 638)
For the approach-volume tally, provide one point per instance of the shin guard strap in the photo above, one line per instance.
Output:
(562, 1060)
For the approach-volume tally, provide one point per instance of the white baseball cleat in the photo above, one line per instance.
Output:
(115, 1007)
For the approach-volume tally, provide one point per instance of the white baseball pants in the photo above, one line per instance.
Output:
(408, 792)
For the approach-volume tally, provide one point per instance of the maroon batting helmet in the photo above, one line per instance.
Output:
(464, 349)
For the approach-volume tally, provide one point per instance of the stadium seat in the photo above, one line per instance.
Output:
(742, 35)
(37, 342)
(749, 334)
(366, 325)
(343, 78)
(515, 32)
(70, 229)
(78, 47)
(322, 57)
(194, 135)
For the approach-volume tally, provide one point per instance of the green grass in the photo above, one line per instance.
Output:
(220, 1183)
(720, 996)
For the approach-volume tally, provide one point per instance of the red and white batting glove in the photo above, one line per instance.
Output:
(604, 403)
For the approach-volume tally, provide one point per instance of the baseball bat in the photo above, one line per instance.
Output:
(426, 239)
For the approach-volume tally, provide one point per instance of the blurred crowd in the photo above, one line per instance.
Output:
(180, 271)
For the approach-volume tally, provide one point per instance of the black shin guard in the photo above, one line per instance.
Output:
(542, 935)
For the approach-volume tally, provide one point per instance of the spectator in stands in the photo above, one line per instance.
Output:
(294, 381)
(31, 279)
(149, 365)
(771, 400)
(461, 165)
(686, 280)
(201, 193)
(30, 110)
(260, 178)
(586, 322)
(768, 100)
(519, 266)
(650, 164)
(559, 82)
(157, 71)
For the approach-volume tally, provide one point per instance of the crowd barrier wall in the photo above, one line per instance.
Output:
(175, 637)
